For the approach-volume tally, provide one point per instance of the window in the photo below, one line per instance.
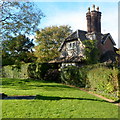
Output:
(71, 45)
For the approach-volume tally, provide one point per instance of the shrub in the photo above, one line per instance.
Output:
(15, 71)
(43, 68)
(95, 77)
(28, 70)
(7, 71)
(31, 70)
(73, 76)
(103, 79)
(52, 75)
(24, 72)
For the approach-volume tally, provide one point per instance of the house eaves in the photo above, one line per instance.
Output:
(105, 38)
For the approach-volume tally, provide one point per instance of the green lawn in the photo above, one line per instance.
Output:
(53, 101)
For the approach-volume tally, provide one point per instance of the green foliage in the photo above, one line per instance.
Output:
(43, 68)
(24, 71)
(103, 79)
(32, 70)
(52, 75)
(39, 70)
(91, 51)
(73, 76)
(19, 18)
(118, 52)
(95, 77)
(119, 83)
(15, 71)
(29, 70)
(48, 41)
(16, 50)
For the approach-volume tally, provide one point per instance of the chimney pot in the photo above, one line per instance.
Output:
(97, 8)
(89, 9)
(93, 7)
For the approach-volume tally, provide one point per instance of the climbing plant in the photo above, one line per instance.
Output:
(91, 51)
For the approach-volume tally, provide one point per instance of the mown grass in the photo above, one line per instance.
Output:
(53, 101)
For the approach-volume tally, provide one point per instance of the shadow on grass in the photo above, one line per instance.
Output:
(39, 97)
(61, 86)
(9, 81)
(19, 82)
(23, 84)
(18, 97)
(13, 81)
(45, 87)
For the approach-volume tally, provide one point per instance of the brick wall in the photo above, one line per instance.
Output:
(108, 46)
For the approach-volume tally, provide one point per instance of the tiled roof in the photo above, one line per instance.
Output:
(75, 35)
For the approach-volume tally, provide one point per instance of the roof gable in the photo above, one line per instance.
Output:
(75, 35)
(105, 38)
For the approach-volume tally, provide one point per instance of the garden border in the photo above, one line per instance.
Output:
(100, 96)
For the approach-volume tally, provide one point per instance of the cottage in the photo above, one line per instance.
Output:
(72, 48)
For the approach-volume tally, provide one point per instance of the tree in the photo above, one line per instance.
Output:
(118, 52)
(19, 18)
(48, 41)
(91, 51)
(17, 49)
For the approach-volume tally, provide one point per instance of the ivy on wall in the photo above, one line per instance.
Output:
(91, 51)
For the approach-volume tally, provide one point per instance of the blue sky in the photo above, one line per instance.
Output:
(74, 15)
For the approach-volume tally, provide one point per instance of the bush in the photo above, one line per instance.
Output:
(73, 76)
(103, 79)
(29, 70)
(43, 68)
(15, 71)
(95, 77)
(52, 75)
(24, 72)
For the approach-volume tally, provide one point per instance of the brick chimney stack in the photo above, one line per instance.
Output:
(93, 20)
(88, 16)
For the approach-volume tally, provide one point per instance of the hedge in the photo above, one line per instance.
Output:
(29, 70)
(95, 77)
(15, 71)
(72, 75)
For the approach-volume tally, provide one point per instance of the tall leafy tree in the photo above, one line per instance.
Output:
(48, 41)
(17, 49)
(19, 18)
